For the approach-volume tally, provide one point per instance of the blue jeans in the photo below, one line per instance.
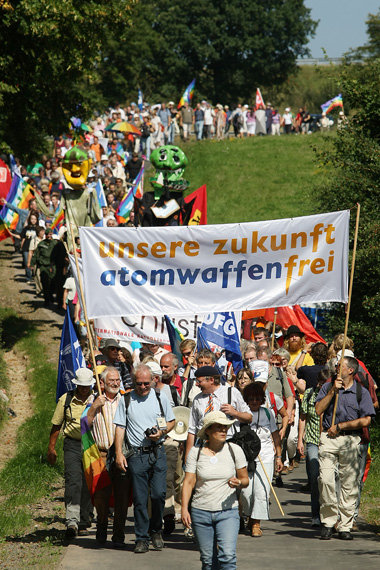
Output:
(312, 469)
(145, 146)
(148, 474)
(28, 271)
(219, 528)
(199, 129)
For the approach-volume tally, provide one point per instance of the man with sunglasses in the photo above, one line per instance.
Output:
(111, 352)
(143, 424)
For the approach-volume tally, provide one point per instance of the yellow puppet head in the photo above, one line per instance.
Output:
(76, 166)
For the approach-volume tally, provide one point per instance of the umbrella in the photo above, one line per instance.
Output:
(124, 127)
(86, 128)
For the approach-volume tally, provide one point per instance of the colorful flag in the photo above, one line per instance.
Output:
(19, 196)
(95, 470)
(70, 357)
(4, 233)
(188, 95)
(175, 337)
(58, 220)
(140, 100)
(196, 212)
(330, 105)
(259, 99)
(102, 201)
(221, 329)
(126, 205)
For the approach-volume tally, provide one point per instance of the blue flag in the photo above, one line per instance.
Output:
(220, 329)
(102, 201)
(202, 343)
(70, 357)
(140, 100)
(175, 337)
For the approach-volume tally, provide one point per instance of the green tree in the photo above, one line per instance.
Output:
(372, 48)
(229, 46)
(50, 51)
(351, 163)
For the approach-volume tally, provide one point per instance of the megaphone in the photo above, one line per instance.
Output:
(181, 426)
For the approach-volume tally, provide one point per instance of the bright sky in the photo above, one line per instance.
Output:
(341, 25)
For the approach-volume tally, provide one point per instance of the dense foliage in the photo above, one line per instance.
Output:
(352, 160)
(49, 57)
(229, 46)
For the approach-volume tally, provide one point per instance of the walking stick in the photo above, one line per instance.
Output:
(348, 307)
(110, 440)
(271, 486)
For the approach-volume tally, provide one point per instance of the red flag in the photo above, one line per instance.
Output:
(287, 316)
(5, 179)
(259, 99)
(198, 216)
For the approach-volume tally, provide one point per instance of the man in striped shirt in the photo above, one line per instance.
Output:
(97, 420)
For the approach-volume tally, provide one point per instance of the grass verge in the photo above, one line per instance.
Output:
(27, 477)
(370, 502)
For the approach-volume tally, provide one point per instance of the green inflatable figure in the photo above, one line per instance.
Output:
(165, 207)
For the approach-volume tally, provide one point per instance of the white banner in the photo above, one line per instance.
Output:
(151, 329)
(146, 328)
(206, 269)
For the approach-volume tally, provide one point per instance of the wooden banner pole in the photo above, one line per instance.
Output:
(274, 329)
(88, 330)
(348, 305)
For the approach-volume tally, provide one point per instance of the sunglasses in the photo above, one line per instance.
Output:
(142, 383)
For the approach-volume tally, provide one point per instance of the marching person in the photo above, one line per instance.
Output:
(144, 425)
(214, 397)
(121, 486)
(67, 416)
(339, 447)
(215, 472)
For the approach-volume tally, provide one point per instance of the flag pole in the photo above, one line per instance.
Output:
(89, 331)
(274, 329)
(348, 305)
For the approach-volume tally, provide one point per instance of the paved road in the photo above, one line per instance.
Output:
(288, 543)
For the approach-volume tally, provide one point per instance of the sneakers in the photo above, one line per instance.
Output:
(71, 532)
(326, 532)
(157, 542)
(345, 536)
(141, 547)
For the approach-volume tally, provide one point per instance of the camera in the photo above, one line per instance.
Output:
(151, 431)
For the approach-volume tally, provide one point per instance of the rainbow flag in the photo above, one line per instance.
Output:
(127, 203)
(58, 220)
(19, 196)
(330, 105)
(95, 470)
(175, 337)
(188, 95)
(4, 233)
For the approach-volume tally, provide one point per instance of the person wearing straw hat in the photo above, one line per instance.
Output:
(67, 418)
(215, 471)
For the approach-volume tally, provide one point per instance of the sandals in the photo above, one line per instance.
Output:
(256, 531)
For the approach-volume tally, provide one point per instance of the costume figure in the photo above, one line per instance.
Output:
(166, 207)
(79, 202)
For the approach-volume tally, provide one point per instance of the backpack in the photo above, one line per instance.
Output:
(174, 394)
(273, 403)
(67, 406)
(189, 385)
(247, 439)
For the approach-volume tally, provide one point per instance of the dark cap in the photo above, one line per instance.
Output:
(206, 371)
(292, 330)
(111, 342)
(48, 231)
